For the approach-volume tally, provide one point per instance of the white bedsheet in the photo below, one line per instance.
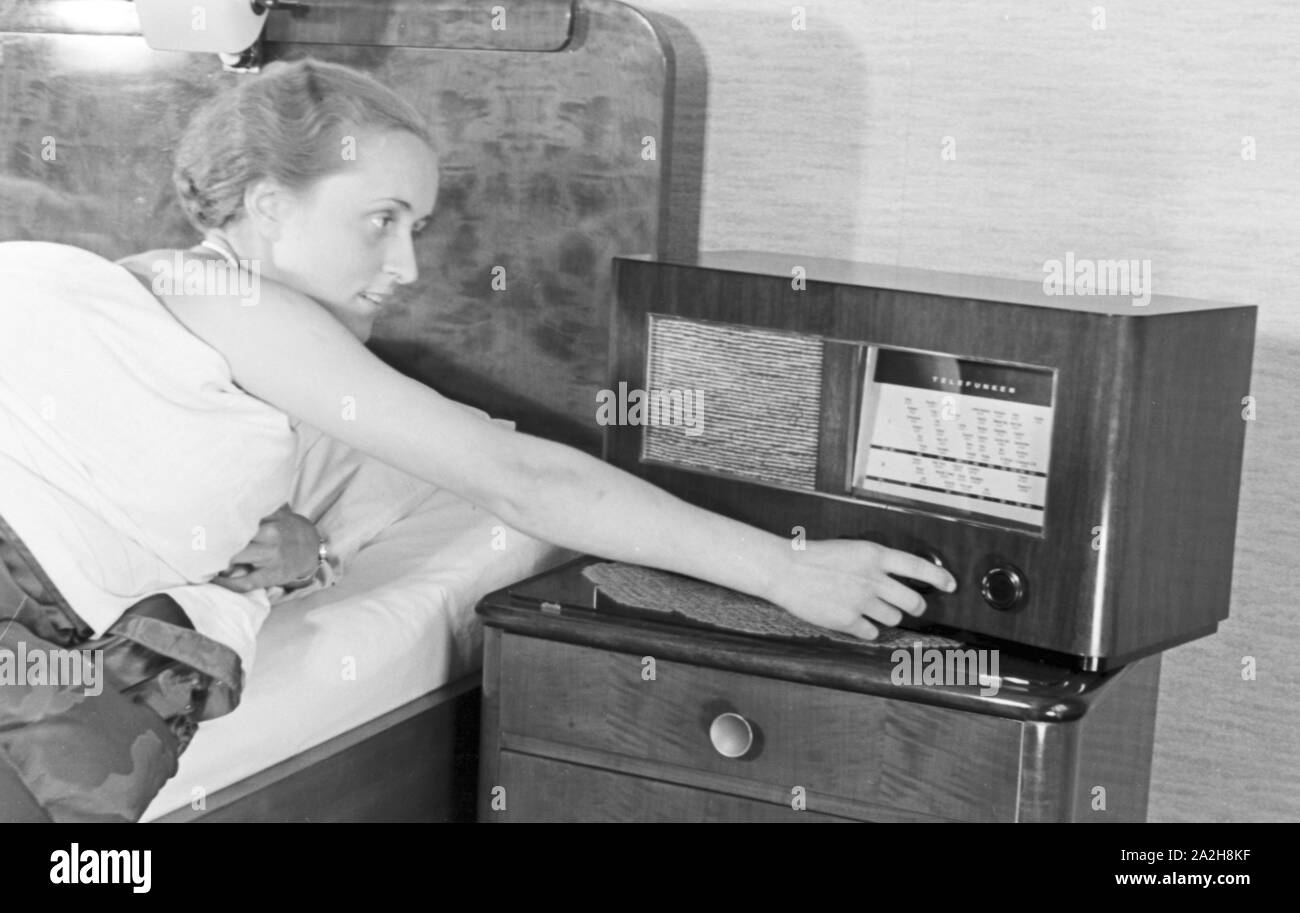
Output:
(400, 624)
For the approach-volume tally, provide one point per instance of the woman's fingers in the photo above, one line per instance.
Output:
(256, 554)
(905, 564)
(864, 623)
(260, 578)
(899, 596)
(248, 582)
(230, 583)
(863, 629)
(880, 609)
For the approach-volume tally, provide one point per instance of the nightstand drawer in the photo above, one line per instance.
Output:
(836, 746)
(539, 789)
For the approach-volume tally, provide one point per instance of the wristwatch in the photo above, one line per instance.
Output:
(322, 563)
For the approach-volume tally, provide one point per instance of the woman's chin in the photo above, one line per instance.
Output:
(360, 326)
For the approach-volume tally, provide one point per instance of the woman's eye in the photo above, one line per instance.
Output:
(383, 221)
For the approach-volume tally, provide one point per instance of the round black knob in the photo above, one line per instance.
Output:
(1003, 587)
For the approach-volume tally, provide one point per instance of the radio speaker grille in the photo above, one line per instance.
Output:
(758, 396)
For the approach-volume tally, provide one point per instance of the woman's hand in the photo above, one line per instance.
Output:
(285, 549)
(833, 583)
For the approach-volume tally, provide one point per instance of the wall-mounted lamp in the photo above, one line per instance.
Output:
(229, 28)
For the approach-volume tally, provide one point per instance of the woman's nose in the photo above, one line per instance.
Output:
(401, 263)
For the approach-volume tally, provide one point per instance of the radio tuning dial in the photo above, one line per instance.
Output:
(1003, 587)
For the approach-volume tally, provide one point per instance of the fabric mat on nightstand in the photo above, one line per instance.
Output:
(653, 590)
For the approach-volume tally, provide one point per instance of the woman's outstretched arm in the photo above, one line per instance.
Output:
(290, 352)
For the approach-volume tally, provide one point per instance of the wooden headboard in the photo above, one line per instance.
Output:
(546, 169)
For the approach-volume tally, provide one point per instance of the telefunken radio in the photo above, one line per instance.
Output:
(1073, 460)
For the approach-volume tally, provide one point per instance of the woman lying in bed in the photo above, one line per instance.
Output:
(314, 179)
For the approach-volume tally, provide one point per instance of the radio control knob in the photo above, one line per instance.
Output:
(1003, 587)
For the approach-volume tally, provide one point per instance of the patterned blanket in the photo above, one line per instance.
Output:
(90, 729)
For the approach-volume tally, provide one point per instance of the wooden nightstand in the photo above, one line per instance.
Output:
(594, 716)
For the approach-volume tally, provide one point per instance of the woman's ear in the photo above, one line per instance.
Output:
(267, 205)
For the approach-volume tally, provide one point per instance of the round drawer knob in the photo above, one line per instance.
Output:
(731, 735)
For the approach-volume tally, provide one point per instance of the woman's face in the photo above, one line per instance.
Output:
(347, 240)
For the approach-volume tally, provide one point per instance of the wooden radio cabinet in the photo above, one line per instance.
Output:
(1051, 450)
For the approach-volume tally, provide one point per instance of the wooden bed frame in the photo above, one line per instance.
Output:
(549, 115)
(416, 763)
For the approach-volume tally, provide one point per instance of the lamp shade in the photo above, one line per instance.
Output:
(216, 26)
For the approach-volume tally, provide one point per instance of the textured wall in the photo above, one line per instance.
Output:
(1122, 141)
